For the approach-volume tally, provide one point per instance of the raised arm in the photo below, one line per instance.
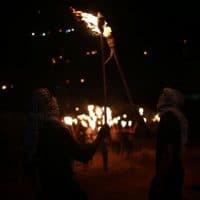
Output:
(84, 152)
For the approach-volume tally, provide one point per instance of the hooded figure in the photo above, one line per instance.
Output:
(171, 140)
(50, 149)
(41, 107)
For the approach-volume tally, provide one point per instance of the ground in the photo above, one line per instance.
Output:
(126, 178)
(130, 178)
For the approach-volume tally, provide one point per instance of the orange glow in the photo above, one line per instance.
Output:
(53, 60)
(92, 22)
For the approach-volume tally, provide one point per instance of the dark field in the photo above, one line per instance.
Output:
(126, 178)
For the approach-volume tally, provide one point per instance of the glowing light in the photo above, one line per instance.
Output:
(53, 60)
(43, 34)
(68, 120)
(109, 116)
(90, 108)
(141, 111)
(82, 80)
(60, 57)
(67, 30)
(75, 121)
(123, 123)
(77, 109)
(185, 41)
(33, 34)
(130, 123)
(98, 112)
(4, 87)
(156, 118)
(95, 119)
(92, 22)
(94, 52)
(124, 116)
(116, 120)
(145, 53)
(84, 124)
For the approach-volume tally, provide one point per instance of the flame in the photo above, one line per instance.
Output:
(92, 22)
(68, 120)
(141, 111)
(156, 118)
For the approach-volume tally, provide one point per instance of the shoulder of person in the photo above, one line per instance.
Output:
(56, 124)
(169, 115)
(170, 118)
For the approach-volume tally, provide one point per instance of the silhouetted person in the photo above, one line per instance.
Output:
(51, 150)
(104, 150)
(171, 139)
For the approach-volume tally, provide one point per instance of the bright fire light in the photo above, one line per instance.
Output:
(156, 118)
(68, 120)
(95, 119)
(145, 119)
(92, 22)
(145, 53)
(4, 87)
(141, 111)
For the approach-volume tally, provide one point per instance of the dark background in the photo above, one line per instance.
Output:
(168, 31)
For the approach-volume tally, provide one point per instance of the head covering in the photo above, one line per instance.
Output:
(171, 100)
(170, 97)
(42, 107)
(43, 103)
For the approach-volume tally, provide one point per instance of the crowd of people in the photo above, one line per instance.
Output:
(50, 148)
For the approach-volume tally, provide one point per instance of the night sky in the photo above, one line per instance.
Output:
(169, 34)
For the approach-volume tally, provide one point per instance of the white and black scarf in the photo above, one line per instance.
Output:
(171, 100)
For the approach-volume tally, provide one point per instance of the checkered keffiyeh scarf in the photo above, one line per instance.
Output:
(172, 100)
(42, 107)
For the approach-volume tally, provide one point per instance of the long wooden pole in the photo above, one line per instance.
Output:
(101, 23)
(104, 75)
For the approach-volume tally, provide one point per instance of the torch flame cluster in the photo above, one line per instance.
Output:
(94, 120)
(92, 22)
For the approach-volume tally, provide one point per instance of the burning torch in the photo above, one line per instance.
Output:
(99, 26)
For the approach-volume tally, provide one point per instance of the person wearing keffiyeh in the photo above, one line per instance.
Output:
(172, 135)
(50, 150)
